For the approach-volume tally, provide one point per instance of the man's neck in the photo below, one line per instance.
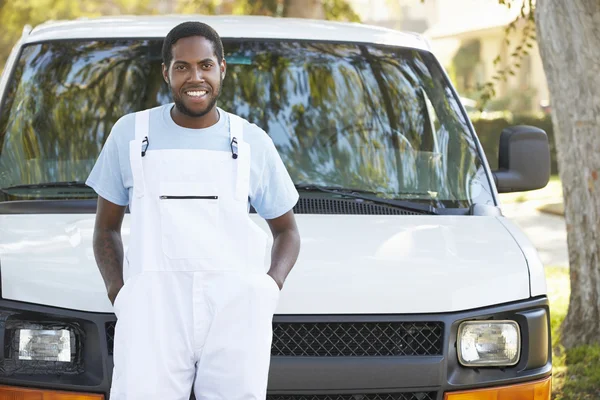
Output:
(205, 121)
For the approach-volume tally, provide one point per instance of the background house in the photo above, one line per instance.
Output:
(467, 36)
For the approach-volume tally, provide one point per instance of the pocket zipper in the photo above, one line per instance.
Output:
(189, 197)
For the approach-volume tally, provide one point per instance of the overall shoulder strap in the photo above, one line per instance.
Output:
(137, 149)
(243, 158)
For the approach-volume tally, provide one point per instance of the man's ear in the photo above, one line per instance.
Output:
(223, 68)
(165, 72)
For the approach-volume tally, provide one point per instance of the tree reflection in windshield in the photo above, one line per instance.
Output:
(69, 95)
(375, 118)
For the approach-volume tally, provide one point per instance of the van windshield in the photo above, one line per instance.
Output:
(374, 119)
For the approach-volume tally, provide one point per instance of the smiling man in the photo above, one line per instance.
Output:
(193, 300)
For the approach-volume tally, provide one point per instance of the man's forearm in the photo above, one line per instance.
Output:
(108, 251)
(286, 247)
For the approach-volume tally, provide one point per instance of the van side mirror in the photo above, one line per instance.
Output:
(523, 159)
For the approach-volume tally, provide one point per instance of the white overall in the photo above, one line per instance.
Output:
(197, 305)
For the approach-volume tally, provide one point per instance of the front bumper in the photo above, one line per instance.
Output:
(405, 373)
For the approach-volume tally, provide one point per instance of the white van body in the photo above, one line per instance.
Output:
(449, 267)
(467, 264)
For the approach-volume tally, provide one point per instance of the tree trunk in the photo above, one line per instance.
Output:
(568, 32)
(304, 9)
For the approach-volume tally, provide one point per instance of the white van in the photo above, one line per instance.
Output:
(410, 285)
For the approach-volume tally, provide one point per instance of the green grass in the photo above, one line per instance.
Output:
(552, 193)
(576, 372)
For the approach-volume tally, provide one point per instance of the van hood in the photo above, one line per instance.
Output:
(348, 264)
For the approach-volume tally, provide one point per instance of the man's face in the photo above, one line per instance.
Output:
(194, 76)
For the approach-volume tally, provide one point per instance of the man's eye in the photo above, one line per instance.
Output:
(207, 66)
(180, 67)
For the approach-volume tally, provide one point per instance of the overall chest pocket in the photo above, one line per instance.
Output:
(189, 219)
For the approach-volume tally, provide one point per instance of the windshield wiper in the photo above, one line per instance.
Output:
(370, 196)
(48, 185)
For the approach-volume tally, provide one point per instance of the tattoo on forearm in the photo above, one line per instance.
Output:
(108, 251)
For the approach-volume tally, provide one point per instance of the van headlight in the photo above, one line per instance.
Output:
(489, 343)
(47, 348)
(44, 345)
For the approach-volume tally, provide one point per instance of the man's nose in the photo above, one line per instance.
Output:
(197, 75)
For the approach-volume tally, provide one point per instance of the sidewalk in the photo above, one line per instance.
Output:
(546, 230)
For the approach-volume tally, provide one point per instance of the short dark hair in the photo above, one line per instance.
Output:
(187, 29)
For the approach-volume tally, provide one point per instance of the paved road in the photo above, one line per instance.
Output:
(547, 232)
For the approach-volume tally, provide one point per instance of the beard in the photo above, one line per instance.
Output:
(177, 99)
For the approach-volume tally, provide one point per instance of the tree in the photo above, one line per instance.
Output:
(316, 9)
(304, 9)
(569, 40)
(14, 15)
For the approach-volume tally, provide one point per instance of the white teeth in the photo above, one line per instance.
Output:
(197, 93)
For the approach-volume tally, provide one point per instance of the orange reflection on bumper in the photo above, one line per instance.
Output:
(538, 390)
(17, 393)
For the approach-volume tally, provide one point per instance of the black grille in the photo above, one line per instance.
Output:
(347, 339)
(344, 207)
(381, 396)
(364, 339)
(110, 336)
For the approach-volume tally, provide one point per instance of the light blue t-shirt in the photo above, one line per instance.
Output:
(272, 192)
